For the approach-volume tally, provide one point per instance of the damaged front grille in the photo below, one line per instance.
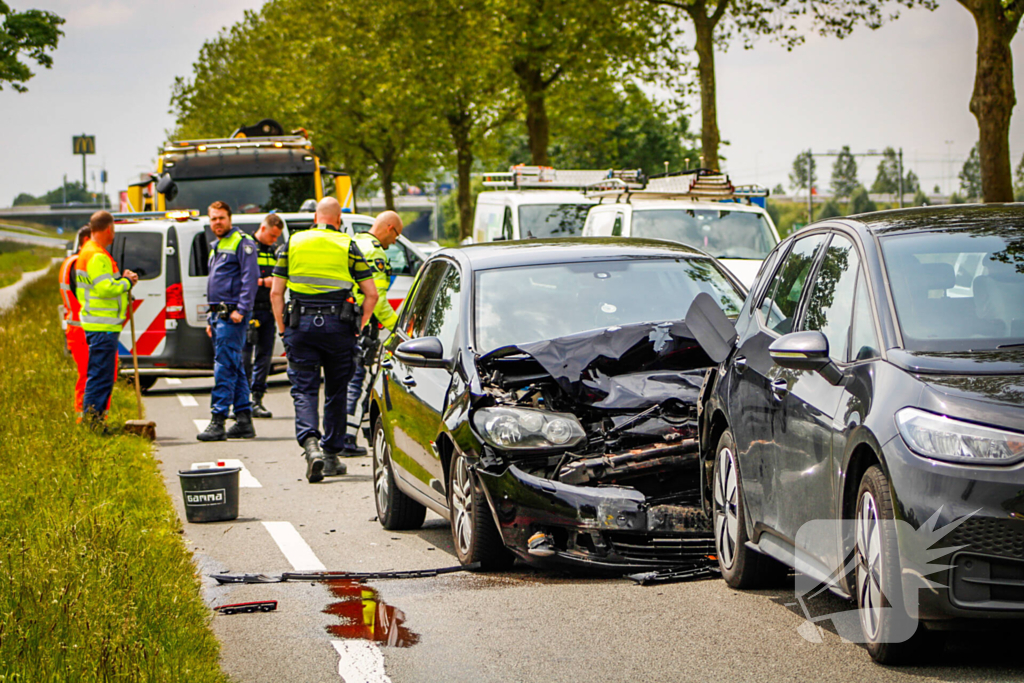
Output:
(666, 550)
(648, 459)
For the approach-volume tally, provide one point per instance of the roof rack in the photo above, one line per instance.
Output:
(545, 177)
(281, 141)
(171, 214)
(698, 184)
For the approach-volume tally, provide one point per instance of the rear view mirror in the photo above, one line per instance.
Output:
(167, 187)
(805, 351)
(425, 352)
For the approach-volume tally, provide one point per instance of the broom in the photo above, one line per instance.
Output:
(140, 427)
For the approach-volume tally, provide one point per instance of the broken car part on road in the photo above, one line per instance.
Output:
(333, 576)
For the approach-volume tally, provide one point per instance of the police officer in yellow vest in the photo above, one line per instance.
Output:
(321, 268)
(385, 231)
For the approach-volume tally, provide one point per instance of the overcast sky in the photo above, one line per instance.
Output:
(907, 84)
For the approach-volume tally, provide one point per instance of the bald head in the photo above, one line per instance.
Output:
(386, 228)
(328, 212)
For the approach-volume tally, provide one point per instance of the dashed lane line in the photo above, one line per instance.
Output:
(201, 424)
(173, 380)
(188, 400)
(361, 662)
(294, 548)
(245, 478)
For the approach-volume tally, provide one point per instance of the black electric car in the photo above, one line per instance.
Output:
(541, 396)
(876, 374)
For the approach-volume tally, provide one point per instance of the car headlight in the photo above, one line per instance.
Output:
(512, 428)
(943, 438)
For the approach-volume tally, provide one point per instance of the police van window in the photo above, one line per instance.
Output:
(506, 225)
(617, 227)
(199, 256)
(141, 252)
(361, 227)
(444, 317)
(414, 316)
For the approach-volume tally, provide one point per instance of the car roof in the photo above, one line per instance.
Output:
(947, 217)
(518, 253)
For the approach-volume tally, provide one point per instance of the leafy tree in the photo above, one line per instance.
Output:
(779, 189)
(860, 202)
(26, 36)
(73, 191)
(844, 173)
(911, 183)
(887, 179)
(804, 173)
(24, 199)
(994, 97)
(1018, 180)
(970, 175)
(716, 23)
(829, 209)
(920, 198)
(956, 199)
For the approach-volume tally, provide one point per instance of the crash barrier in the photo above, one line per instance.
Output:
(211, 495)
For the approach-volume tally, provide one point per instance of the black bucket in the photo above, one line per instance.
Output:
(210, 495)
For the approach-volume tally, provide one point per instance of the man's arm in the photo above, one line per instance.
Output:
(385, 312)
(277, 301)
(369, 290)
(105, 284)
(248, 261)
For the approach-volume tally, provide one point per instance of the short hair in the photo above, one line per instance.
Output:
(84, 233)
(274, 221)
(223, 206)
(100, 221)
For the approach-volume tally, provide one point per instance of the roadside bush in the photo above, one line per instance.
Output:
(95, 582)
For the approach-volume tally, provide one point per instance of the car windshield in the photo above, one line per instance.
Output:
(522, 305)
(957, 290)
(551, 220)
(248, 194)
(720, 232)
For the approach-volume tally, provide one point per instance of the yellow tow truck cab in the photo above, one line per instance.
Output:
(256, 170)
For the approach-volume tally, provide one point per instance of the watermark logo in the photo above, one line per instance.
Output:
(888, 564)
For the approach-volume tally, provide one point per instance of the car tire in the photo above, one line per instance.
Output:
(878, 589)
(395, 510)
(741, 567)
(474, 533)
(146, 382)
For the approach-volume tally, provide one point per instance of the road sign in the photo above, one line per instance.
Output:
(83, 144)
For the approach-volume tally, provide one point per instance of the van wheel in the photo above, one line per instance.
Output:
(395, 510)
(741, 567)
(146, 382)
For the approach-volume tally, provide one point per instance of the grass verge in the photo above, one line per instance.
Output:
(95, 582)
(17, 258)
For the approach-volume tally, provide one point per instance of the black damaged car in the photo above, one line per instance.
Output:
(866, 423)
(541, 396)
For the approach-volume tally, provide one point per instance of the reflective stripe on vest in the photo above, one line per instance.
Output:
(103, 295)
(318, 262)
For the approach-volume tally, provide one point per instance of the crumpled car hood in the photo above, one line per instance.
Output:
(623, 367)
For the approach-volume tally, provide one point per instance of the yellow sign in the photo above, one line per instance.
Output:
(83, 144)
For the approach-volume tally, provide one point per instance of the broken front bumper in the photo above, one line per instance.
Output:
(606, 527)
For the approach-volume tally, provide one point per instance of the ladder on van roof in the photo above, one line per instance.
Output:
(699, 184)
(546, 178)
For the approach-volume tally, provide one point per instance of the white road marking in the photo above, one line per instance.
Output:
(361, 662)
(245, 478)
(295, 550)
(173, 380)
(201, 424)
(188, 400)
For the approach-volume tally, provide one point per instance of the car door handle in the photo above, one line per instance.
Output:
(740, 364)
(780, 388)
(408, 381)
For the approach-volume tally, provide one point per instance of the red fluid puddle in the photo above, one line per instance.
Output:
(365, 616)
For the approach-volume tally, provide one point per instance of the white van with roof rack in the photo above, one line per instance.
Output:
(171, 251)
(700, 208)
(533, 202)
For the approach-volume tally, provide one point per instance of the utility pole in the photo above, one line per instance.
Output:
(65, 188)
(810, 186)
(901, 176)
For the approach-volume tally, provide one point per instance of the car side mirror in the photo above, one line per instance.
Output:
(167, 187)
(424, 352)
(805, 351)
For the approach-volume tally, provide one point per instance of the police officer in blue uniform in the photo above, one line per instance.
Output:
(230, 292)
(260, 336)
(321, 268)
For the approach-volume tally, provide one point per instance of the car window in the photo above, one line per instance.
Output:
(617, 227)
(723, 233)
(830, 306)
(506, 225)
(764, 274)
(863, 339)
(361, 227)
(537, 221)
(141, 252)
(444, 314)
(414, 316)
(199, 256)
(783, 294)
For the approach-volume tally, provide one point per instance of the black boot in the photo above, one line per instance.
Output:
(351, 449)
(258, 411)
(242, 429)
(214, 431)
(332, 466)
(314, 460)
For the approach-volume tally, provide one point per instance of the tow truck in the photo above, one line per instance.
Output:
(256, 170)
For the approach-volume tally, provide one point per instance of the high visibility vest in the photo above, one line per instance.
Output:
(375, 255)
(318, 262)
(71, 305)
(101, 291)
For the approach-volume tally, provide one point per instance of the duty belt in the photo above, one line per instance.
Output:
(320, 310)
(222, 308)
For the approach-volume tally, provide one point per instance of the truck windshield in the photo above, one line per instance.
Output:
(720, 232)
(551, 220)
(248, 194)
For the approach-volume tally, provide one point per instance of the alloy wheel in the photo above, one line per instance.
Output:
(726, 507)
(381, 482)
(462, 505)
(869, 565)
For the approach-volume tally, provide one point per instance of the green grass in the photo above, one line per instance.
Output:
(95, 581)
(17, 258)
(32, 228)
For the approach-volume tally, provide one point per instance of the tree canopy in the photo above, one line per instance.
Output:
(970, 175)
(804, 173)
(844, 173)
(27, 36)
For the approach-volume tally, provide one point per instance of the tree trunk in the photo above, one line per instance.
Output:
(532, 86)
(710, 138)
(993, 99)
(387, 177)
(460, 126)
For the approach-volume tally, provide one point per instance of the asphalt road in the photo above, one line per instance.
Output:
(523, 625)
